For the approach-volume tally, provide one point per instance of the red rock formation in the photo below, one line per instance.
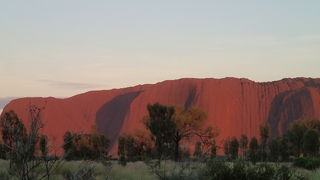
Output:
(234, 106)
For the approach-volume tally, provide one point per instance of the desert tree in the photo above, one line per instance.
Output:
(44, 148)
(121, 150)
(22, 145)
(160, 122)
(234, 148)
(311, 142)
(85, 146)
(226, 147)
(244, 145)
(264, 135)
(283, 148)
(295, 135)
(12, 130)
(253, 150)
(274, 149)
(188, 122)
(214, 149)
(197, 150)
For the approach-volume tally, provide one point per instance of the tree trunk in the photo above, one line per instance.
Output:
(176, 148)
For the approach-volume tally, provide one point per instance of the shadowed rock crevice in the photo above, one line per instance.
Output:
(190, 100)
(290, 106)
(110, 117)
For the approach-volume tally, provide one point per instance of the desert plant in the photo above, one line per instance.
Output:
(307, 163)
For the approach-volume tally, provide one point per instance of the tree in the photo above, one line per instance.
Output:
(312, 124)
(234, 148)
(44, 148)
(226, 147)
(144, 144)
(68, 145)
(311, 142)
(121, 151)
(197, 150)
(85, 146)
(213, 149)
(295, 134)
(253, 149)
(3, 151)
(44, 145)
(244, 145)
(130, 147)
(22, 145)
(188, 122)
(274, 147)
(207, 138)
(134, 147)
(162, 126)
(283, 148)
(264, 135)
(12, 131)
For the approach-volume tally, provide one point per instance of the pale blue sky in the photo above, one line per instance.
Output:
(64, 47)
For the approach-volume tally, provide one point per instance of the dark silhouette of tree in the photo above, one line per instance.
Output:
(85, 146)
(264, 135)
(295, 134)
(274, 148)
(197, 150)
(68, 145)
(12, 131)
(22, 146)
(226, 147)
(162, 126)
(253, 150)
(44, 148)
(213, 149)
(234, 148)
(3, 150)
(121, 150)
(44, 145)
(134, 147)
(244, 145)
(284, 148)
(311, 142)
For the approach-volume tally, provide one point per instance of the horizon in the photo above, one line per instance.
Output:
(60, 48)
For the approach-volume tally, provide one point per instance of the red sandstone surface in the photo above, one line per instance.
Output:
(234, 106)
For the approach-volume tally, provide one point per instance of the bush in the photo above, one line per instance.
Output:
(242, 170)
(239, 170)
(261, 171)
(84, 172)
(4, 175)
(217, 170)
(307, 163)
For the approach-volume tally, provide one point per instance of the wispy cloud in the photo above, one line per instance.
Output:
(4, 101)
(69, 85)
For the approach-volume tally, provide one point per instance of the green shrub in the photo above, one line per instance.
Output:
(261, 171)
(307, 163)
(242, 170)
(4, 175)
(217, 170)
(84, 172)
(239, 170)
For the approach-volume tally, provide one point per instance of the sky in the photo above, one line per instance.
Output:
(61, 48)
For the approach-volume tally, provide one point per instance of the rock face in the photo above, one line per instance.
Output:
(234, 106)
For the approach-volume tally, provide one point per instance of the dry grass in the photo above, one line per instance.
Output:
(132, 171)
